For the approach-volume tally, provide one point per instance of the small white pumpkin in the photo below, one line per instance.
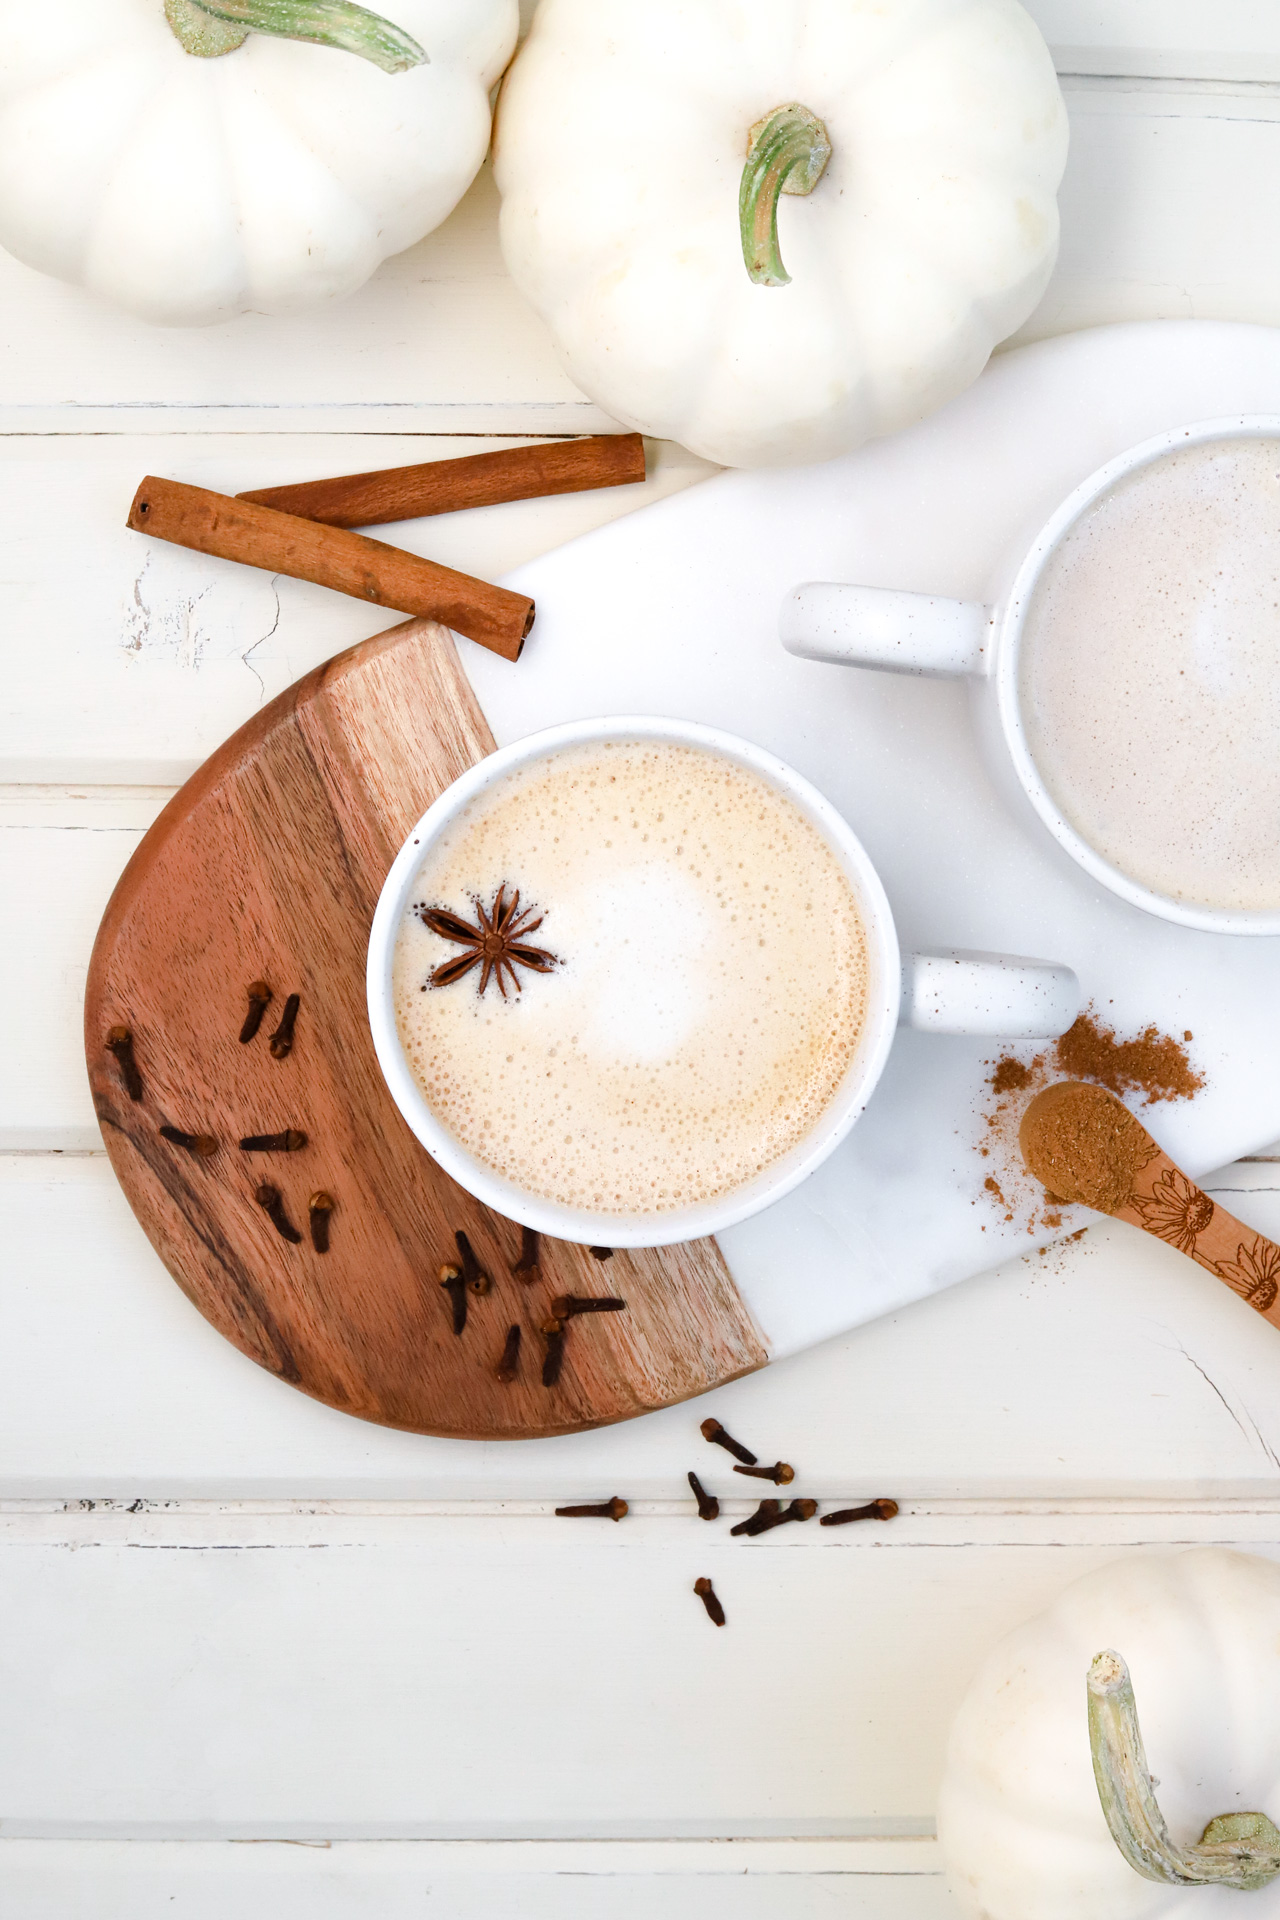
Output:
(1036, 1752)
(640, 149)
(152, 152)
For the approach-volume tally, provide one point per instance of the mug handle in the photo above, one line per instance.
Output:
(997, 994)
(896, 632)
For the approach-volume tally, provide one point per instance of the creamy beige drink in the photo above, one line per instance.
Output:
(1150, 675)
(700, 989)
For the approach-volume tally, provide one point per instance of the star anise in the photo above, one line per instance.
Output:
(496, 944)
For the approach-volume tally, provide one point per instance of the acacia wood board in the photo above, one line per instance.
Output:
(267, 865)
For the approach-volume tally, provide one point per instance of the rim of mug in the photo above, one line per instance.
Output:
(884, 989)
(1207, 919)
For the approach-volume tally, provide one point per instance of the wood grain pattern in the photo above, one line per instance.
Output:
(1164, 1202)
(332, 557)
(474, 480)
(268, 864)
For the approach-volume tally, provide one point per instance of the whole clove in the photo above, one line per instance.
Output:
(600, 1253)
(527, 1265)
(472, 1272)
(764, 1516)
(319, 1208)
(292, 1140)
(119, 1041)
(456, 1287)
(613, 1509)
(508, 1366)
(553, 1359)
(762, 1522)
(566, 1305)
(282, 1038)
(780, 1473)
(203, 1145)
(260, 997)
(707, 1594)
(272, 1204)
(874, 1510)
(708, 1505)
(713, 1431)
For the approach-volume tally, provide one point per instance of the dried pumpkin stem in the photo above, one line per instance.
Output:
(208, 28)
(1240, 1850)
(786, 153)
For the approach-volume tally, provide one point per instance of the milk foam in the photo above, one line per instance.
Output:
(1150, 677)
(711, 991)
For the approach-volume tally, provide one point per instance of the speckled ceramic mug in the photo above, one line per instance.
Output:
(948, 992)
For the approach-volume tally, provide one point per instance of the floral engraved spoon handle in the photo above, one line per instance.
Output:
(1086, 1147)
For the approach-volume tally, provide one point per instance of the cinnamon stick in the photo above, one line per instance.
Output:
(476, 480)
(332, 557)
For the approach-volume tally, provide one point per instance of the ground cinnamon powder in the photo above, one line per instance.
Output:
(1153, 1064)
(1084, 1145)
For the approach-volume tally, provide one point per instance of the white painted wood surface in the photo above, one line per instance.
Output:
(386, 1647)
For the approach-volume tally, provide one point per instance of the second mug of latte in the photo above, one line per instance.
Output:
(1127, 681)
(693, 1001)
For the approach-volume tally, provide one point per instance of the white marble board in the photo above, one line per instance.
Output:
(674, 610)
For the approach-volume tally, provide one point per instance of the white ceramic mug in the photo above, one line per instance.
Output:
(916, 633)
(949, 992)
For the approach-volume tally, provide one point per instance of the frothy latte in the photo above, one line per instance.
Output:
(1150, 675)
(708, 992)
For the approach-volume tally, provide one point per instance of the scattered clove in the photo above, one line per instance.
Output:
(780, 1473)
(320, 1206)
(201, 1144)
(553, 1359)
(713, 1431)
(874, 1510)
(456, 1287)
(269, 1199)
(282, 1038)
(764, 1516)
(259, 1000)
(761, 1522)
(600, 1253)
(527, 1265)
(472, 1272)
(119, 1041)
(509, 1364)
(707, 1594)
(708, 1505)
(292, 1140)
(566, 1305)
(604, 1510)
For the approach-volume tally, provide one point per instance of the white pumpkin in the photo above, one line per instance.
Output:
(927, 236)
(1020, 1813)
(254, 174)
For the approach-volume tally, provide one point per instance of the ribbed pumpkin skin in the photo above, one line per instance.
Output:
(270, 180)
(621, 136)
(1018, 1813)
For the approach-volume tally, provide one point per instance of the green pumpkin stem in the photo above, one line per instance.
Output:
(786, 153)
(208, 28)
(1240, 1850)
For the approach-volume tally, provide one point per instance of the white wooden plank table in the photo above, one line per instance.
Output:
(258, 1657)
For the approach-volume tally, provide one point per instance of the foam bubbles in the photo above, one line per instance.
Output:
(711, 993)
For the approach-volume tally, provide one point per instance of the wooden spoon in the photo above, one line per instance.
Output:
(1087, 1147)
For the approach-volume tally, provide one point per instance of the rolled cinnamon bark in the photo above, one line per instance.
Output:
(332, 557)
(476, 480)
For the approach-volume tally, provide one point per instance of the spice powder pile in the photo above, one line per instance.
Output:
(1152, 1063)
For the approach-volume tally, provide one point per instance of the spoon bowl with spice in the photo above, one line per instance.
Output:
(1086, 1147)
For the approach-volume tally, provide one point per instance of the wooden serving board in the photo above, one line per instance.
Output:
(267, 865)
